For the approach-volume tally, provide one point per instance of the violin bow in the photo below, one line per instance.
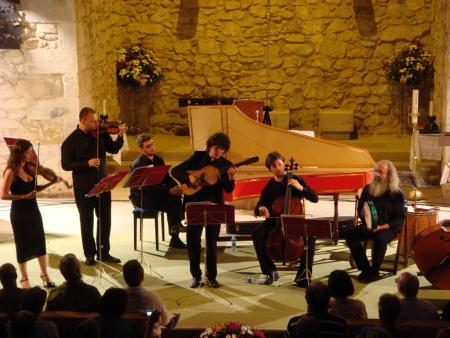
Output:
(37, 164)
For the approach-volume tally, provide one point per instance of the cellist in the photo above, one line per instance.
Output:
(274, 189)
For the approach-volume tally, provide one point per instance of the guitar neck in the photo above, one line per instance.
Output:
(236, 165)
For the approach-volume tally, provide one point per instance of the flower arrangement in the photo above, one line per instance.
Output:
(231, 330)
(137, 65)
(411, 66)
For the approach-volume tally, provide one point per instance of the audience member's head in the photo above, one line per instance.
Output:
(446, 312)
(317, 296)
(389, 307)
(113, 302)
(88, 328)
(22, 325)
(444, 333)
(34, 300)
(70, 268)
(340, 284)
(8, 275)
(408, 285)
(133, 273)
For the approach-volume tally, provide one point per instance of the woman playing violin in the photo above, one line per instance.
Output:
(19, 186)
(275, 188)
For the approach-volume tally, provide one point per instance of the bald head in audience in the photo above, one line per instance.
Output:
(408, 285)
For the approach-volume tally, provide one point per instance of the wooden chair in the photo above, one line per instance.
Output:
(148, 214)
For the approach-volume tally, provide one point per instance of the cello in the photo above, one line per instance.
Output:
(431, 253)
(279, 246)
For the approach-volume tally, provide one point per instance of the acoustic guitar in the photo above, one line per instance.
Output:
(210, 175)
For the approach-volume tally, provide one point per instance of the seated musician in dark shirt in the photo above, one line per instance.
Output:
(274, 189)
(165, 197)
(386, 203)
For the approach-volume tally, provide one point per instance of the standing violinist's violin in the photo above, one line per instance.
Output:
(107, 127)
(279, 246)
(31, 169)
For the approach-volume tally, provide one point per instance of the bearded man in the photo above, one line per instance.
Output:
(383, 203)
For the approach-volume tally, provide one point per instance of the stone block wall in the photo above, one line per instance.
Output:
(39, 82)
(322, 54)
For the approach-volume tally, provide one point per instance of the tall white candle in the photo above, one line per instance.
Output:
(415, 106)
(104, 107)
(430, 110)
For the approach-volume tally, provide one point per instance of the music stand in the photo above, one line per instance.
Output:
(106, 184)
(205, 213)
(143, 177)
(299, 226)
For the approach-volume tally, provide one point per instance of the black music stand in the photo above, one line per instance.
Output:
(106, 184)
(143, 177)
(299, 226)
(205, 213)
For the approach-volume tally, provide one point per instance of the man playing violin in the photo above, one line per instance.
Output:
(164, 197)
(387, 216)
(275, 189)
(216, 147)
(84, 153)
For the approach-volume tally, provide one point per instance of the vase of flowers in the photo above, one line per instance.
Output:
(411, 67)
(137, 65)
(231, 330)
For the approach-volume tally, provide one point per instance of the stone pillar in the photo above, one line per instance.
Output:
(39, 83)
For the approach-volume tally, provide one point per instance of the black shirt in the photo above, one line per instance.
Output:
(212, 193)
(274, 189)
(390, 208)
(143, 161)
(78, 148)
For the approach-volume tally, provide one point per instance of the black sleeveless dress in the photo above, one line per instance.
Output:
(26, 221)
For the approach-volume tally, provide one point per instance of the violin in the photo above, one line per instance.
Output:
(106, 127)
(278, 245)
(47, 173)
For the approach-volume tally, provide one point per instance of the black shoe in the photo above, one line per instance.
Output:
(109, 259)
(212, 283)
(364, 276)
(268, 279)
(173, 321)
(177, 243)
(90, 260)
(196, 282)
(47, 283)
(275, 276)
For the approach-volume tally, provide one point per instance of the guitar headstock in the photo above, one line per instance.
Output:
(291, 166)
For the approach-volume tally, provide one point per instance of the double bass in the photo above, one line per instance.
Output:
(279, 246)
(431, 253)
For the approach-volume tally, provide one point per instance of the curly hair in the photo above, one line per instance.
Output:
(17, 155)
(220, 140)
(272, 157)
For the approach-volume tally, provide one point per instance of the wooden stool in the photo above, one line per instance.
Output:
(148, 214)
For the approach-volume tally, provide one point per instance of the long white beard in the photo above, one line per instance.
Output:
(378, 187)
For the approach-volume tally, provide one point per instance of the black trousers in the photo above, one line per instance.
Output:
(86, 207)
(193, 236)
(160, 199)
(259, 237)
(355, 238)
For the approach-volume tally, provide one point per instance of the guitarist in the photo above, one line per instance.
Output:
(216, 147)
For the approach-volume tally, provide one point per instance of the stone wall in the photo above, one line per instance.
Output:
(39, 83)
(440, 49)
(322, 54)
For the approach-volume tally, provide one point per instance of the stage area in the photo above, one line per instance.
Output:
(167, 270)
